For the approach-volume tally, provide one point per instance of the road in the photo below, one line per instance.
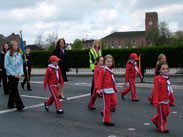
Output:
(132, 119)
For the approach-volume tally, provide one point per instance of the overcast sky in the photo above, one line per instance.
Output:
(89, 19)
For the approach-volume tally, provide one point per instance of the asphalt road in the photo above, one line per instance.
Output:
(132, 119)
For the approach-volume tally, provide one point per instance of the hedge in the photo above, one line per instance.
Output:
(80, 58)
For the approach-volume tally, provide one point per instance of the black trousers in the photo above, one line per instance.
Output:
(5, 82)
(64, 76)
(25, 75)
(14, 97)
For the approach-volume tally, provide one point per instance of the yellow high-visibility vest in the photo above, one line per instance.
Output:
(92, 57)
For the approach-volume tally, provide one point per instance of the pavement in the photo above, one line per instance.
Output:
(132, 119)
(117, 71)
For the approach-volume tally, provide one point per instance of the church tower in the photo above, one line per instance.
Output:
(151, 20)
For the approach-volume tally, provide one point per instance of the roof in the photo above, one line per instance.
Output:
(2, 39)
(34, 47)
(88, 41)
(126, 34)
(9, 38)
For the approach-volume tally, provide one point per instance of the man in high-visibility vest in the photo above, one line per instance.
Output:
(93, 54)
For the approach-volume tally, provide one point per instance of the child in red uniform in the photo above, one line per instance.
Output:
(53, 79)
(162, 58)
(131, 70)
(100, 62)
(106, 85)
(161, 93)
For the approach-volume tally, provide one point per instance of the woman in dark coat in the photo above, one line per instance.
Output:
(60, 52)
(3, 70)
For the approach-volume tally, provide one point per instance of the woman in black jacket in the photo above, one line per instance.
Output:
(60, 52)
(27, 68)
(3, 70)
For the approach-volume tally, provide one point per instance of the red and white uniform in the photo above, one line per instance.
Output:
(130, 74)
(95, 94)
(106, 84)
(171, 97)
(161, 94)
(53, 79)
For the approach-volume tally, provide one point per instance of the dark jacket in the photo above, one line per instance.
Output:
(2, 55)
(64, 62)
(29, 62)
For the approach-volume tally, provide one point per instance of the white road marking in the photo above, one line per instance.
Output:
(27, 96)
(174, 112)
(34, 82)
(42, 104)
(146, 124)
(112, 136)
(131, 129)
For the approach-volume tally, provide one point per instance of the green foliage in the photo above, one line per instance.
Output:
(80, 58)
(77, 45)
(103, 43)
(40, 58)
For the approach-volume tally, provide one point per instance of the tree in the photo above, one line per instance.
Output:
(39, 40)
(128, 44)
(51, 40)
(153, 36)
(177, 38)
(164, 34)
(103, 43)
(78, 44)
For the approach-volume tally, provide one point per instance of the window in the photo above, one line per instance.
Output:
(126, 44)
(142, 43)
(112, 45)
(133, 43)
(119, 44)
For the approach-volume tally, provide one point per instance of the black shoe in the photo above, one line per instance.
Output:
(135, 100)
(63, 98)
(122, 97)
(46, 106)
(59, 97)
(22, 85)
(172, 105)
(92, 108)
(100, 95)
(166, 131)
(109, 124)
(60, 111)
(21, 109)
(114, 110)
(30, 89)
(101, 114)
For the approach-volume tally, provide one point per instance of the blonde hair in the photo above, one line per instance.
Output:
(161, 56)
(94, 44)
(111, 57)
(11, 44)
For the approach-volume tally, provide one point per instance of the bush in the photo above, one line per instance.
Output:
(80, 58)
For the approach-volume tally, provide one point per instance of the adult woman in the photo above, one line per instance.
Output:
(93, 54)
(3, 70)
(60, 52)
(14, 69)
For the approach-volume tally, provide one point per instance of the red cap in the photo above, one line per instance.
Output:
(134, 56)
(54, 58)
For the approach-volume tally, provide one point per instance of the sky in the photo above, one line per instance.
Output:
(84, 19)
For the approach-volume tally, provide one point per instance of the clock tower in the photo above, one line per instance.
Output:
(151, 20)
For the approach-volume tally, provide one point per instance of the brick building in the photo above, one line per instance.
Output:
(13, 36)
(133, 38)
(87, 44)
